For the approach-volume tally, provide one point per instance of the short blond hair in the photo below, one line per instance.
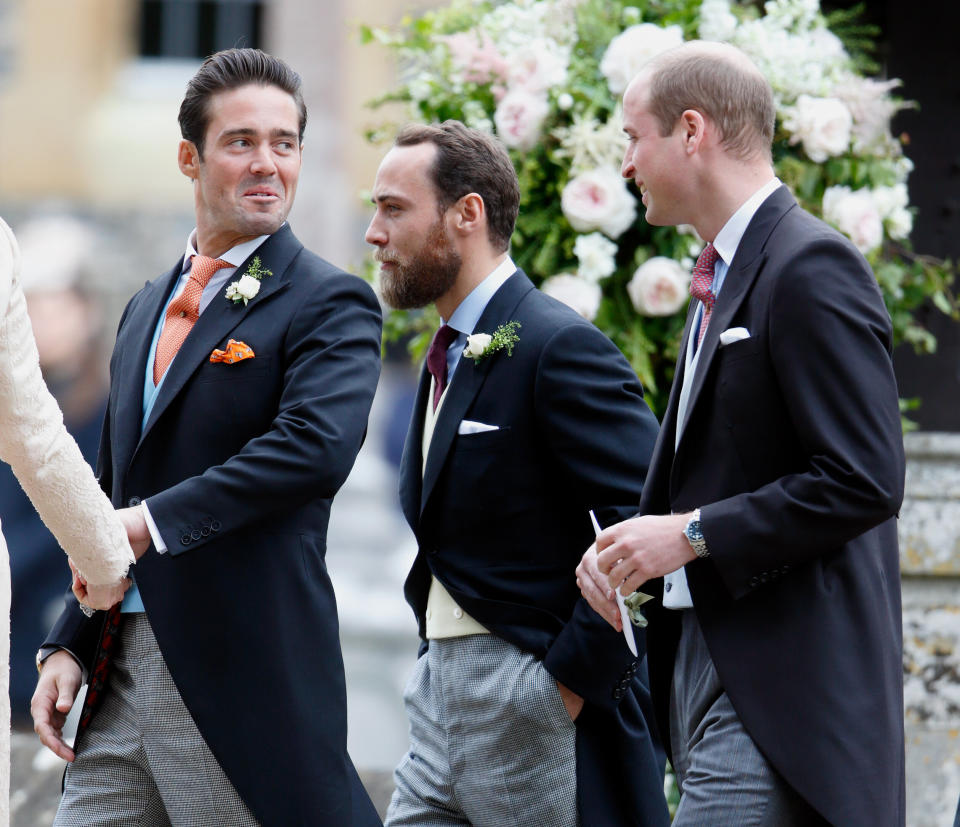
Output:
(720, 82)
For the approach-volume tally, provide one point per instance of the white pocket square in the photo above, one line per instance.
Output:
(733, 334)
(468, 426)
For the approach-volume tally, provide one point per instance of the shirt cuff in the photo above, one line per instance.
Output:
(158, 543)
(46, 651)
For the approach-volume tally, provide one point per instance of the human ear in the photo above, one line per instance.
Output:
(692, 125)
(188, 159)
(470, 212)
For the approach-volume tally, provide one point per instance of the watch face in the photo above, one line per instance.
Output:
(694, 532)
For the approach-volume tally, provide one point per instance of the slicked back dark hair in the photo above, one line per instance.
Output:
(231, 69)
(469, 160)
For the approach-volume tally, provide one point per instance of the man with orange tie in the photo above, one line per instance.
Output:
(240, 387)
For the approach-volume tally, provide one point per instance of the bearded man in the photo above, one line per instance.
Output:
(523, 708)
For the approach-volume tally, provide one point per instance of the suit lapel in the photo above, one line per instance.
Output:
(746, 265)
(221, 316)
(469, 378)
(134, 342)
(411, 463)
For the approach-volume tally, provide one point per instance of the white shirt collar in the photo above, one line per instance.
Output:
(730, 235)
(235, 256)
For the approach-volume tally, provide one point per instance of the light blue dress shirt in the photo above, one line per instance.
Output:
(464, 319)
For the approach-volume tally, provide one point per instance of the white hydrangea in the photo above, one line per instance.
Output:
(589, 144)
(596, 256)
(580, 295)
(717, 22)
(632, 48)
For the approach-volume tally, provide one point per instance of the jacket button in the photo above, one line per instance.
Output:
(205, 531)
(754, 582)
(215, 525)
(195, 534)
(133, 501)
(185, 539)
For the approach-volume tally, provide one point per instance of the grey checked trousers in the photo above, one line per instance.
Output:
(491, 743)
(142, 761)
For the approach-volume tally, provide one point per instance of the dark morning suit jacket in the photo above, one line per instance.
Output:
(793, 449)
(240, 464)
(501, 519)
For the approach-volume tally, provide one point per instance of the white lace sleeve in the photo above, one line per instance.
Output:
(44, 457)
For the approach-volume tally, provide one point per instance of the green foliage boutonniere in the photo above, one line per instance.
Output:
(481, 345)
(248, 285)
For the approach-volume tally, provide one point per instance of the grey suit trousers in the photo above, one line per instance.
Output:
(724, 779)
(142, 761)
(491, 743)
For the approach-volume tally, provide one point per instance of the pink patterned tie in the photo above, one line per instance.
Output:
(701, 283)
(437, 360)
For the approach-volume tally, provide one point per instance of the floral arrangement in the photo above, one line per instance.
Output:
(546, 76)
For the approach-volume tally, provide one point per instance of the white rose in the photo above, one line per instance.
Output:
(632, 48)
(599, 200)
(596, 256)
(855, 214)
(823, 124)
(564, 101)
(476, 345)
(578, 294)
(248, 287)
(519, 118)
(659, 287)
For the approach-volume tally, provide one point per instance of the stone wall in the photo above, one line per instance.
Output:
(930, 562)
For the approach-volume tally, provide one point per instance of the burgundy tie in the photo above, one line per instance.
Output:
(701, 284)
(437, 360)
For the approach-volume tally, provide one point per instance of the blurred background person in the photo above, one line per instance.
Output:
(67, 324)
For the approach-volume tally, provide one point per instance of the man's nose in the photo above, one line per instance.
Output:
(263, 162)
(375, 235)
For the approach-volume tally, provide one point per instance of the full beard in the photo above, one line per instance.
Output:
(426, 277)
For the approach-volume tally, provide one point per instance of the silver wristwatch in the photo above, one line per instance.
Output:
(694, 534)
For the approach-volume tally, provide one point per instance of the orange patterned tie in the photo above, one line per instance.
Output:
(183, 312)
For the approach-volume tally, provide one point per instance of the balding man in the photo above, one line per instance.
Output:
(769, 509)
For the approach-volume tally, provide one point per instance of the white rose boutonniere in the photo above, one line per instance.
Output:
(481, 345)
(477, 345)
(248, 285)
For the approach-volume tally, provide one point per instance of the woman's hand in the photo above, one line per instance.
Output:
(97, 597)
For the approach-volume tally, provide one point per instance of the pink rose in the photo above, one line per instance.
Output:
(519, 118)
(599, 200)
(659, 287)
(475, 56)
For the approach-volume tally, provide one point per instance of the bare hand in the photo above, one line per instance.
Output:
(642, 548)
(572, 702)
(53, 699)
(97, 597)
(137, 532)
(596, 589)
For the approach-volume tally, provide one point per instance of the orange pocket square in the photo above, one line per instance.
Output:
(235, 352)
